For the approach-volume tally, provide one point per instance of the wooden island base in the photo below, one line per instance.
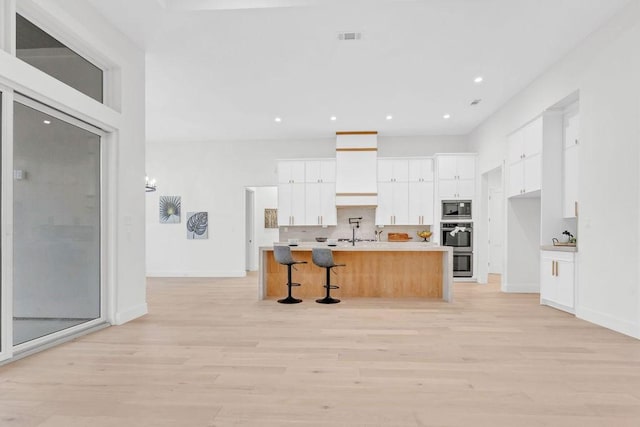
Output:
(385, 274)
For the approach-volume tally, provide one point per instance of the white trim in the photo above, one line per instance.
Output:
(109, 188)
(6, 227)
(8, 24)
(521, 288)
(605, 320)
(70, 333)
(557, 306)
(40, 86)
(213, 274)
(37, 105)
(122, 317)
(56, 342)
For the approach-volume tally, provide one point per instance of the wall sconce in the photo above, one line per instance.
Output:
(149, 184)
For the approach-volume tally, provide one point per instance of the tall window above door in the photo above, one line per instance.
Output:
(48, 54)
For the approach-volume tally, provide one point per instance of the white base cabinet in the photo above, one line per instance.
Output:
(558, 280)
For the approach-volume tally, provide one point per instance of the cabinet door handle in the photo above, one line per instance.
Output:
(321, 220)
(553, 268)
(557, 272)
(576, 141)
(575, 208)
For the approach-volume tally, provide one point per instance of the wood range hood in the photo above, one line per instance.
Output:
(356, 169)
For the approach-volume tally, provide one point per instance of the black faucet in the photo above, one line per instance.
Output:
(355, 221)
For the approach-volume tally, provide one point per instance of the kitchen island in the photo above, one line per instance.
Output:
(373, 269)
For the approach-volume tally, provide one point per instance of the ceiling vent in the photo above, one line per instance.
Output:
(475, 102)
(349, 36)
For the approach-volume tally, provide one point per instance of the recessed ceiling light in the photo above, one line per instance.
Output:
(333, 118)
(46, 122)
(446, 116)
(478, 79)
(389, 117)
(278, 119)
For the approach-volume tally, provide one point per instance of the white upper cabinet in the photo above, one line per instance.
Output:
(420, 170)
(421, 203)
(571, 168)
(393, 170)
(320, 203)
(456, 176)
(291, 203)
(393, 203)
(291, 171)
(320, 171)
(405, 192)
(307, 192)
(525, 159)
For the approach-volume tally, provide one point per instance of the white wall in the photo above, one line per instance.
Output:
(212, 176)
(605, 70)
(81, 28)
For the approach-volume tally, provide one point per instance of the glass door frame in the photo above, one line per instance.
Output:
(105, 298)
(6, 219)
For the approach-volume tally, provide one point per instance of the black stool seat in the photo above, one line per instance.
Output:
(282, 254)
(323, 257)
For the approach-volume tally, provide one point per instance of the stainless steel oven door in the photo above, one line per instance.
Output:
(462, 264)
(462, 238)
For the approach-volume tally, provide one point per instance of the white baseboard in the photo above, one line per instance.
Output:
(241, 273)
(129, 314)
(602, 319)
(521, 288)
(557, 306)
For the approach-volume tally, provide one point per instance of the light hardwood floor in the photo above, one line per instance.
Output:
(210, 354)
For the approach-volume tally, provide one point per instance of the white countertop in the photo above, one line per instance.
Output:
(369, 246)
(559, 248)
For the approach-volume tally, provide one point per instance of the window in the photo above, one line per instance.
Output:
(39, 49)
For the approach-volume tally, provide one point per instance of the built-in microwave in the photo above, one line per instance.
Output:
(453, 210)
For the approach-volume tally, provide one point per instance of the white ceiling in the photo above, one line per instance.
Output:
(224, 69)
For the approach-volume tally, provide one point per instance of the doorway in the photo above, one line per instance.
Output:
(261, 222)
(490, 234)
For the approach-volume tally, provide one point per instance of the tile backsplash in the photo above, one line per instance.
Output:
(344, 231)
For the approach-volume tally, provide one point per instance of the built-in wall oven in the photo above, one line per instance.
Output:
(459, 235)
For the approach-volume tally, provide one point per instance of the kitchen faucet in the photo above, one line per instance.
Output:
(355, 221)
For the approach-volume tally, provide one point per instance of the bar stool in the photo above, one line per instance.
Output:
(282, 254)
(323, 257)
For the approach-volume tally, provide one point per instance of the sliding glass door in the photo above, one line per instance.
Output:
(57, 227)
